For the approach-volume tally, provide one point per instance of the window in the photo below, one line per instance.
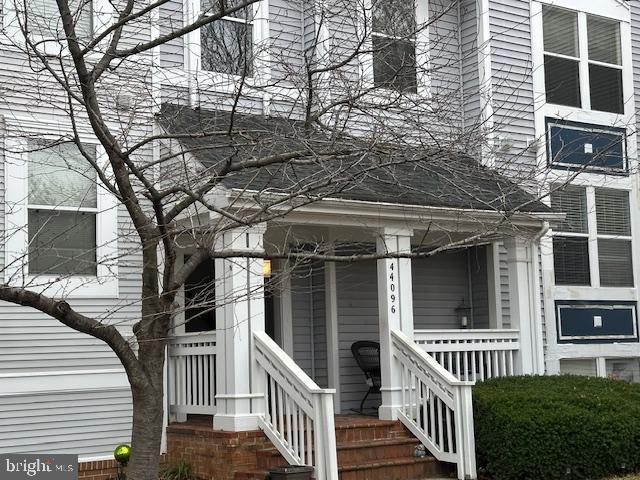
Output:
(588, 147)
(44, 19)
(627, 369)
(614, 237)
(394, 45)
(571, 243)
(564, 55)
(226, 45)
(607, 228)
(62, 208)
(579, 366)
(605, 65)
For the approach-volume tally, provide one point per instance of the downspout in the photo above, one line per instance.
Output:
(312, 326)
(470, 289)
(534, 306)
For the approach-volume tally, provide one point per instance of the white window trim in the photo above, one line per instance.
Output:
(593, 236)
(584, 62)
(103, 15)
(423, 80)
(105, 284)
(222, 82)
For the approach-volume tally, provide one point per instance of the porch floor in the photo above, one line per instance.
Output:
(368, 449)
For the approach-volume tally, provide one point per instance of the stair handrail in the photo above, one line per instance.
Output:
(298, 418)
(436, 407)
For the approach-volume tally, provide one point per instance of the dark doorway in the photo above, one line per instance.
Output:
(269, 306)
(199, 298)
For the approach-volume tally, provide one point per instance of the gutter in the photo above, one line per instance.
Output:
(401, 211)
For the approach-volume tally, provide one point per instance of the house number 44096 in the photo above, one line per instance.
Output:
(392, 286)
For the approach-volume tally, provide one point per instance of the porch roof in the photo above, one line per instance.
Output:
(360, 170)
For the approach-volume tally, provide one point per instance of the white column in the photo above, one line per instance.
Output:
(331, 319)
(522, 295)
(240, 312)
(395, 307)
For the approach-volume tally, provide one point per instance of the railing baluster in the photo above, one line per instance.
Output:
(309, 442)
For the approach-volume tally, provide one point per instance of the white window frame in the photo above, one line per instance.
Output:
(584, 62)
(593, 237)
(105, 284)
(102, 15)
(423, 60)
(224, 82)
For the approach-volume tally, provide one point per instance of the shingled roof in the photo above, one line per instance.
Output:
(358, 169)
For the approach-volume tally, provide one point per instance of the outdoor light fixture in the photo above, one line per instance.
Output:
(266, 268)
(463, 313)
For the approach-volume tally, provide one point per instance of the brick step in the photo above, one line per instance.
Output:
(354, 429)
(352, 452)
(409, 468)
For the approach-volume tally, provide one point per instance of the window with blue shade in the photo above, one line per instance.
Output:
(582, 146)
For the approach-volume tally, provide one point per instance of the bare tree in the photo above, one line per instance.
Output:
(330, 123)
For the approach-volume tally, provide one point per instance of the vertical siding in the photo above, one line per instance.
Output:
(301, 298)
(504, 288)
(479, 286)
(357, 320)
(319, 326)
(309, 332)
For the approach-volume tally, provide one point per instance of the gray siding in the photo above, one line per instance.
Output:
(357, 320)
(512, 85)
(470, 74)
(504, 288)
(479, 286)
(80, 422)
(171, 19)
(440, 285)
(309, 333)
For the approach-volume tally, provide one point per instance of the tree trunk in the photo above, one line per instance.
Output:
(148, 410)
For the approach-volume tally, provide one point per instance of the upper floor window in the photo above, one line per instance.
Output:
(394, 44)
(43, 18)
(226, 45)
(593, 246)
(62, 210)
(582, 60)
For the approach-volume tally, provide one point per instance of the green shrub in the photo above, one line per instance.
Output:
(177, 471)
(557, 427)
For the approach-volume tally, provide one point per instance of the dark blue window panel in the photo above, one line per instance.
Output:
(576, 323)
(566, 146)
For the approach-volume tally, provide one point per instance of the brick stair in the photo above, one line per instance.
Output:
(368, 449)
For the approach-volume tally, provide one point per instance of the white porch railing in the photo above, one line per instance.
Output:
(298, 415)
(435, 406)
(191, 373)
(472, 355)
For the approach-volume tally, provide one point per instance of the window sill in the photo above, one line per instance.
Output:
(70, 287)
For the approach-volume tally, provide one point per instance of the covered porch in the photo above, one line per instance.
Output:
(278, 355)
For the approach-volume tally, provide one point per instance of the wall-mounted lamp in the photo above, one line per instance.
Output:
(266, 268)
(463, 313)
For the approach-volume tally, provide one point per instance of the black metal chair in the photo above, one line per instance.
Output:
(367, 355)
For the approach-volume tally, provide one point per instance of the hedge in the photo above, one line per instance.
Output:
(557, 427)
